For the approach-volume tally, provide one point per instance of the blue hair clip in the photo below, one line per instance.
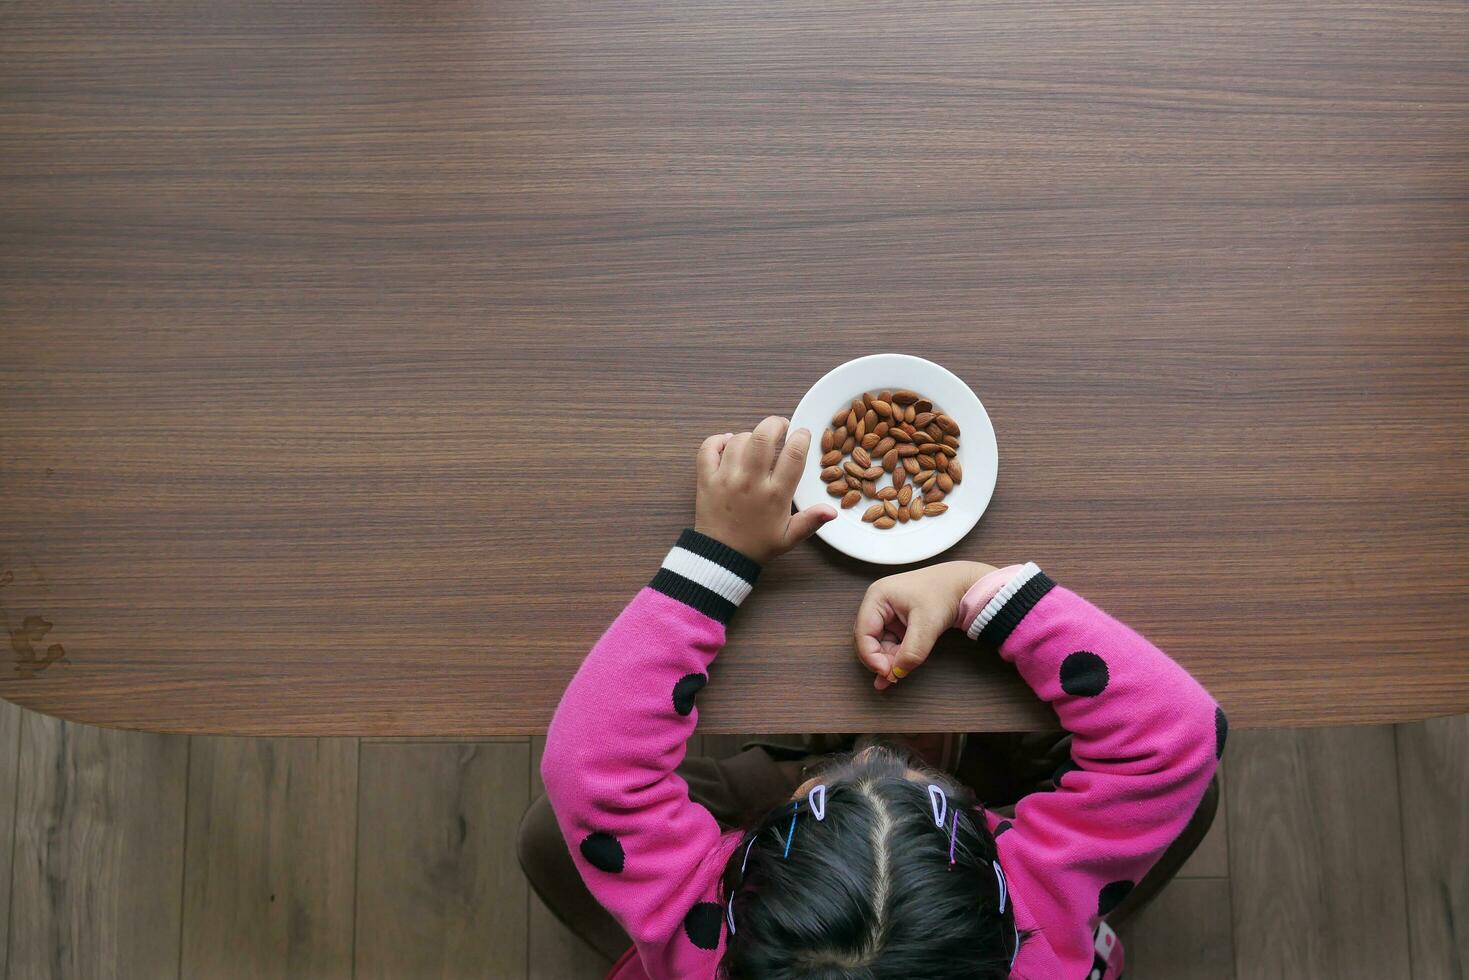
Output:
(791, 834)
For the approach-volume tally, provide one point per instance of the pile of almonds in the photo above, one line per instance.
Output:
(895, 436)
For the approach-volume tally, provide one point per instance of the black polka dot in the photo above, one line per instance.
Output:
(1068, 766)
(603, 852)
(1112, 896)
(1002, 826)
(683, 692)
(1083, 674)
(703, 924)
(1221, 732)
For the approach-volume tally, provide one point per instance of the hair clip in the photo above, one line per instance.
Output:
(939, 801)
(816, 799)
(729, 913)
(746, 859)
(953, 836)
(791, 834)
(1004, 891)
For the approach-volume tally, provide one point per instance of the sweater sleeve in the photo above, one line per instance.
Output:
(650, 855)
(1146, 740)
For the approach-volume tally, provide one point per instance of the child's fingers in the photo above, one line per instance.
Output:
(801, 526)
(870, 652)
(759, 454)
(735, 451)
(870, 626)
(710, 451)
(792, 460)
(924, 629)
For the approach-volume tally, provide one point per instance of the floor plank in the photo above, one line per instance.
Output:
(1433, 762)
(9, 760)
(1183, 935)
(99, 851)
(1316, 858)
(269, 861)
(1211, 858)
(553, 951)
(439, 891)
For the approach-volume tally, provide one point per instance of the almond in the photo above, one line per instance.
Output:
(883, 445)
(948, 450)
(905, 496)
(951, 441)
(956, 472)
(922, 418)
(943, 462)
(931, 447)
(890, 509)
(890, 460)
(909, 414)
(929, 483)
(933, 496)
(933, 510)
(859, 406)
(831, 457)
(883, 409)
(869, 489)
(948, 425)
(946, 482)
(903, 515)
(871, 419)
(839, 435)
(850, 500)
(840, 417)
(872, 513)
(872, 473)
(853, 469)
(898, 435)
(837, 489)
(885, 396)
(831, 473)
(907, 449)
(911, 465)
(861, 429)
(884, 522)
(870, 441)
(854, 483)
(904, 397)
(923, 476)
(915, 509)
(923, 405)
(934, 434)
(887, 493)
(848, 445)
(851, 422)
(828, 439)
(911, 431)
(861, 457)
(882, 429)
(926, 461)
(900, 476)
(867, 398)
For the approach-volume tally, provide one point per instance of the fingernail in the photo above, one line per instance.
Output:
(803, 431)
(899, 672)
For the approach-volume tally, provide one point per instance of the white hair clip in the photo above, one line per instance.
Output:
(940, 803)
(816, 799)
(1004, 891)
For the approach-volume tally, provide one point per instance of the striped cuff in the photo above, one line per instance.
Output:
(707, 575)
(998, 619)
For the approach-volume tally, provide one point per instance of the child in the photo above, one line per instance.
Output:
(875, 866)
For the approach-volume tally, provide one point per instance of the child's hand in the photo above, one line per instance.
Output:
(903, 615)
(746, 482)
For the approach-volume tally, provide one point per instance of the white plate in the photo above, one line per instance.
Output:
(978, 454)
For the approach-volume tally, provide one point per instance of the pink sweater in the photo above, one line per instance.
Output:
(1146, 740)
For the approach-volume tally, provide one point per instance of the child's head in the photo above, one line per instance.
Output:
(869, 891)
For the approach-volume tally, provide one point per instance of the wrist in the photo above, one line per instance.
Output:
(703, 572)
(984, 583)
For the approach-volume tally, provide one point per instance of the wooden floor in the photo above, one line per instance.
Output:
(1338, 853)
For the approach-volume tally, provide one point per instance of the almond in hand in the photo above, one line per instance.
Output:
(934, 509)
(850, 500)
(861, 457)
(831, 457)
(887, 493)
(872, 513)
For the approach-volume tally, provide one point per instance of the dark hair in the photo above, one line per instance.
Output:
(868, 893)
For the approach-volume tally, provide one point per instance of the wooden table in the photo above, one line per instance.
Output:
(355, 353)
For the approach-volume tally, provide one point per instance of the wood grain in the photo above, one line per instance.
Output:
(1433, 769)
(1211, 858)
(439, 891)
(9, 761)
(553, 952)
(270, 859)
(99, 850)
(1183, 935)
(314, 312)
(1316, 855)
